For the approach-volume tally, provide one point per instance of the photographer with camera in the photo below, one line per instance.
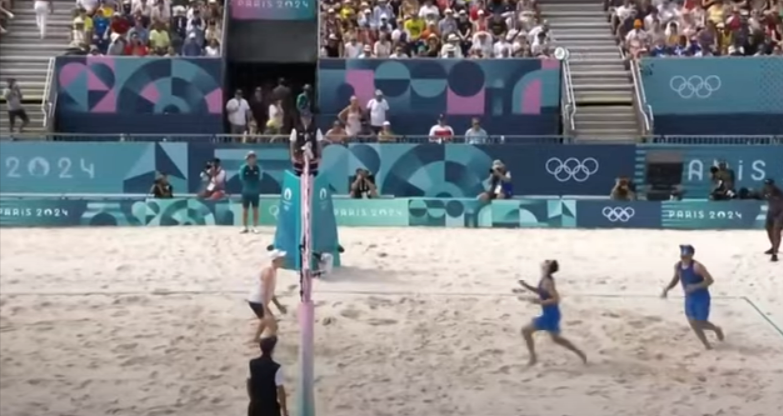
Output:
(214, 178)
(722, 182)
(499, 183)
(161, 188)
(363, 185)
(624, 190)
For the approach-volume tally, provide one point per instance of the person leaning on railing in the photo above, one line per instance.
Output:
(161, 188)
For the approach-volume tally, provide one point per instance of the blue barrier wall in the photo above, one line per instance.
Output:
(104, 94)
(404, 170)
(445, 212)
(715, 95)
(511, 96)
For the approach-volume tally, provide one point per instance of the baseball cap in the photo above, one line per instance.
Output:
(276, 254)
(249, 154)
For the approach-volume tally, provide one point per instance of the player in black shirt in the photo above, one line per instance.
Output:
(774, 224)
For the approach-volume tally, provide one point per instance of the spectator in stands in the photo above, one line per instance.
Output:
(140, 32)
(238, 113)
(4, 15)
(13, 97)
(43, 8)
(192, 46)
(476, 134)
(352, 117)
(79, 37)
(159, 38)
(441, 132)
(377, 107)
(90, 5)
(623, 190)
(386, 134)
(136, 47)
(161, 188)
(275, 117)
(336, 135)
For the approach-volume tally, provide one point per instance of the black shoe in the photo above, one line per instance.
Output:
(770, 251)
(774, 257)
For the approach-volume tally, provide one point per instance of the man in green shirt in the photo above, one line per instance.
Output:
(250, 176)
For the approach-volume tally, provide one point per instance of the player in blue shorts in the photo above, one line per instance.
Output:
(549, 320)
(696, 281)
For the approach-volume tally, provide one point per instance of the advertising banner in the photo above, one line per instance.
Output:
(401, 170)
(273, 9)
(471, 213)
(712, 215)
(614, 214)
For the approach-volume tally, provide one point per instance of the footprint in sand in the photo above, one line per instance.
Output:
(381, 322)
(351, 313)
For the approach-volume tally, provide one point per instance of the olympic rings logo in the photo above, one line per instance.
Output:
(572, 169)
(618, 214)
(695, 86)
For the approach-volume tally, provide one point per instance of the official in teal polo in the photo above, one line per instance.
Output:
(250, 176)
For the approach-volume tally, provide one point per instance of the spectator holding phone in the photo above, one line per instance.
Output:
(363, 185)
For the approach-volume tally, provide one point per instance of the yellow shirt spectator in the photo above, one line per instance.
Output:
(106, 11)
(414, 26)
(716, 13)
(87, 20)
(159, 39)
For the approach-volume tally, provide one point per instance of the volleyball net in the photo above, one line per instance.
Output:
(305, 392)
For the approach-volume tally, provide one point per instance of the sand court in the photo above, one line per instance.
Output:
(403, 329)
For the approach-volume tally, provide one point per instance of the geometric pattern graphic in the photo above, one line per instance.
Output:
(273, 10)
(442, 212)
(125, 87)
(60, 167)
(401, 170)
(512, 96)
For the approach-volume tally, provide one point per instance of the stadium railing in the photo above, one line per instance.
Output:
(412, 139)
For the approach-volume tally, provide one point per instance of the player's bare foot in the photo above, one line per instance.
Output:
(533, 360)
(719, 333)
(583, 356)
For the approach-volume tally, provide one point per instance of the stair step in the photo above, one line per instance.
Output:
(593, 6)
(551, 14)
(604, 109)
(569, 36)
(620, 123)
(608, 56)
(16, 47)
(603, 97)
(584, 65)
(614, 87)
(10, 38)
(559, 25)
(606, 138)
(33, 112)
(597, 73)
(29, 21)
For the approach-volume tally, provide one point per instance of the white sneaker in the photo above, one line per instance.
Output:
(244, 231)
(254, 231)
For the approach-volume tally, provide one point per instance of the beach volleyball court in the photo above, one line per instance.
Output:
(132, 321)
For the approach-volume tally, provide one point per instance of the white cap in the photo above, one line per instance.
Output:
(276, 254)
(497, 163)
(250, 153)
(386, 123)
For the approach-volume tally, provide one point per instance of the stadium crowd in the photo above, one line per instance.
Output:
(436, 29)
(661, 28)
(147, 28)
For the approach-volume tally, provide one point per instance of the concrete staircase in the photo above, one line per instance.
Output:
(25, 56)
(603, 87)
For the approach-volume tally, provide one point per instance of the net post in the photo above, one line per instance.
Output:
(306, 391)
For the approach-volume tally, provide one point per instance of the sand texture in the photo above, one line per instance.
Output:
(134, 321)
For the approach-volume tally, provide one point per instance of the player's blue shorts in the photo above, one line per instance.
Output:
(549, 322)
(697, 307)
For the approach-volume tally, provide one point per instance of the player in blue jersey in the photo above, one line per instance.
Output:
(696, 281)
(549, 320)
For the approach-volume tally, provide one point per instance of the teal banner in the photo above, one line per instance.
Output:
(400, 212)
(714, 85)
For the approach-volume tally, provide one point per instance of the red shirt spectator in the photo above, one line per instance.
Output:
(136, 49)
(120, 24)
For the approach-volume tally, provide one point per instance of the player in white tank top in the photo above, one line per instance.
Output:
(262, 293)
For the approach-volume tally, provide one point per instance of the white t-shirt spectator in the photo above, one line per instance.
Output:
(378, 111)
(88, 5)
(500, 46)
(237, 111)
(623, 12)
(485, 47)
(275, 115)
(636, 35)
(440, 133)
(353, 49)
(382, 48)
(429, 13)
(212, 50)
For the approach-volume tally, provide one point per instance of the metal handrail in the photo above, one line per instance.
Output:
(46, 100)
(570, 95)
(647, 107)
(282, 140)
(641, 99)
